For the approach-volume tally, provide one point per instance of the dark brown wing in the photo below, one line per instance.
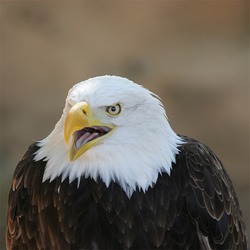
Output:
(50, 215)
(211, 199)
(18, 207)
(31, 218)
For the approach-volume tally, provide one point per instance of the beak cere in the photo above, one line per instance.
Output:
(82, 131)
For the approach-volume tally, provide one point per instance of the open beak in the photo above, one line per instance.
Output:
(82, 131)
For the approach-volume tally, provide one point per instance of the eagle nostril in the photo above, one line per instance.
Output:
(84, 111)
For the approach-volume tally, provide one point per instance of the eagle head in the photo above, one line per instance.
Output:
(113, 129)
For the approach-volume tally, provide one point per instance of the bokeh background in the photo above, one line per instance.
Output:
(194, 54)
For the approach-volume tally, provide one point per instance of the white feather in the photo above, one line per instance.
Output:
(142, 146)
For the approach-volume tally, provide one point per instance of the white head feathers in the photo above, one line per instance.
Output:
(142, 145)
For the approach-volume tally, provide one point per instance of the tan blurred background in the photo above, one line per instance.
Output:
(194, 54)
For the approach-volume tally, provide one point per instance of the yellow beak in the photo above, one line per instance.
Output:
(82, 131)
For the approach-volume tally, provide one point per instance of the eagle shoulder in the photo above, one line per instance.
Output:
(30, 210)
(210, 197)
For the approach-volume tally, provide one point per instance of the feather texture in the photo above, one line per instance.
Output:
(194, 207)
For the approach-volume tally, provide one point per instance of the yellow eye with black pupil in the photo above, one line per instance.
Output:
(114, 110)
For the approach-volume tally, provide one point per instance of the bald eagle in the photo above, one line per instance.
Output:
(114, 175)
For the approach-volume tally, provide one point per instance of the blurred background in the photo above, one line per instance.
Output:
(193, 54)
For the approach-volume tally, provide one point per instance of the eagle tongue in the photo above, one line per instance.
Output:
(86, 137)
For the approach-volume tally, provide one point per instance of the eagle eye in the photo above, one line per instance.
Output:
(114, 110)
